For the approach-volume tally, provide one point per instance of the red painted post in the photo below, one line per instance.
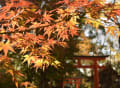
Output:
(96, 75)
(63, 84)
(77, 83)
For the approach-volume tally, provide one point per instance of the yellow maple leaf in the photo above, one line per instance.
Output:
(38, 63)
(28, 59)
(56, 63)
(112, 30)
(94, 23)
(73, 20)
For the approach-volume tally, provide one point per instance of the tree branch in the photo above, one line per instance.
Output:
(28, 30)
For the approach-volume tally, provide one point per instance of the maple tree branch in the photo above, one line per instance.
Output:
(17, 31)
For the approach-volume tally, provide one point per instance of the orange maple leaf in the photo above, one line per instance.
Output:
(25, 84)
(5, 47)
(47, 16)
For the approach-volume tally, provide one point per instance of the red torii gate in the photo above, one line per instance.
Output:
(76, 81)
(95, 67)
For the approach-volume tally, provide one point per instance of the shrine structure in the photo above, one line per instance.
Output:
(95, 66)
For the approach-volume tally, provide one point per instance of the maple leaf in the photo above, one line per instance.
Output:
(38, 63)
(117, 12)
(73, 31)
(111, 29)
(22, 3)
(17, 72)
(38, 11)
(16, 84)
(60, 11)
(11, 73)
(60, 2)
(47, 16)
(63, 44)
(26, 84)
(13, 76)
(94, 23)
(64, 35)
(5, 47)
(56, 63)
(29, 20)
(35, 25)
(10, 14)
(51, 42)
(73, 20)
(29, 59)
(21, 28)
(66, 1)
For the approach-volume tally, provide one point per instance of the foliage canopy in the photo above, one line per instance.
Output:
(32, 31)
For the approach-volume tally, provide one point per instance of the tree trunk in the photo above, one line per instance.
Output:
(43, 81)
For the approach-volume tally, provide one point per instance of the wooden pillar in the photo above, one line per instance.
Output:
(96, 75)
(77, 83)
(63, 84)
